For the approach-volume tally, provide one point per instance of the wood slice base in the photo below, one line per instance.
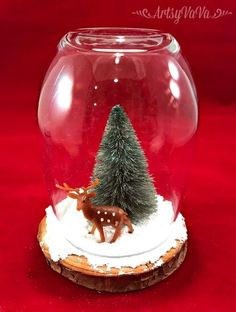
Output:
(77, 269)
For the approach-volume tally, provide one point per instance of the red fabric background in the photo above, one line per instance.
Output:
(30, 31)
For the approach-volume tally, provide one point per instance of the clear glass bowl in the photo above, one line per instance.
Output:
(142, 71)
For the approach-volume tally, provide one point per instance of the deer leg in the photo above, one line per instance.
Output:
(102, 236)
(128, 223)
(93, 229)
(117, 232)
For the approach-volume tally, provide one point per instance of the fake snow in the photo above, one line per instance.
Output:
(68, 234)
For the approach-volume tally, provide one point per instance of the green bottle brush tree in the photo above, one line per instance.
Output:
(122, 169)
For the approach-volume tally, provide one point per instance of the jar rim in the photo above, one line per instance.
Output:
(113, 32)
(118, 38)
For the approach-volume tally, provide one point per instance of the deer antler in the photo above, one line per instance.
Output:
(65, 187)
(92, 184)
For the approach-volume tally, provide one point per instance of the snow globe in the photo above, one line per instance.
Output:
(118, 114)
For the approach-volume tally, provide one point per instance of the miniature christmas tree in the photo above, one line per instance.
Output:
(122, 169)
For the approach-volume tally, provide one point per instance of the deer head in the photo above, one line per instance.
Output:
(80, 194)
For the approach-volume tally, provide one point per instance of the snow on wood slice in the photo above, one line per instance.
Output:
(110, 279)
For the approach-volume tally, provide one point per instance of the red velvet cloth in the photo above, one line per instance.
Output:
(30, 31)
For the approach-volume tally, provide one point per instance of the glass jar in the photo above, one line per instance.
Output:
(136, 74)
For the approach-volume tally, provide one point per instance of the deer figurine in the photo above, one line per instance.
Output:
(99, 216)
